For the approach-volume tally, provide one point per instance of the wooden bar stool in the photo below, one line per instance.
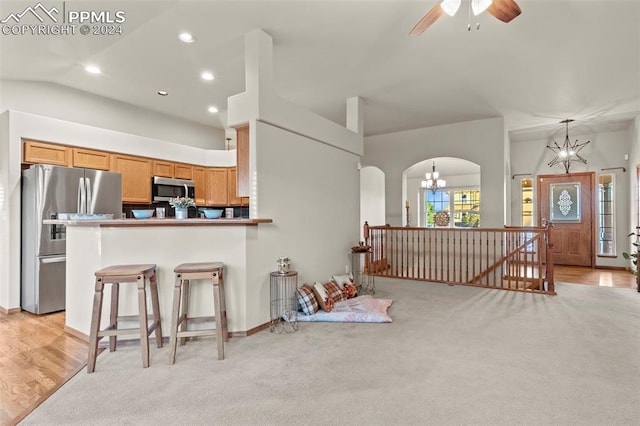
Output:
(198, 271)
(115, 275)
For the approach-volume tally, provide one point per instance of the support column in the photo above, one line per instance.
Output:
(355, 115)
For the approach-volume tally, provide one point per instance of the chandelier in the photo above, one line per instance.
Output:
(568, 152)
(433, 181)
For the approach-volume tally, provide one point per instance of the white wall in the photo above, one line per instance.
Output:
(607, 149)
(311, 190)
(372, 204)
(64, 103)
(634, 189)
(5, 212)
(303, 174)
(481, 142)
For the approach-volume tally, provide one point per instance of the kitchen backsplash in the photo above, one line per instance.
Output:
(238, 211)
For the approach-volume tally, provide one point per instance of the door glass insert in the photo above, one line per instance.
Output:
(564, 202)
(606, 217)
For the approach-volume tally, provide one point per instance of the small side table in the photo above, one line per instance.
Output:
(364, 282)
(284, 302)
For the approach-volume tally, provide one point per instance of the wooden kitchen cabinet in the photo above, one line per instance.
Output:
(36, 152)
(162, 168)
(183, 171)
(217, 186)
(232, 196)
(136, 177)
(242, 161)
(91, 159)
(200, 179)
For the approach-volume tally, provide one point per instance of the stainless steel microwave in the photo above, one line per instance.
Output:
(163, 189)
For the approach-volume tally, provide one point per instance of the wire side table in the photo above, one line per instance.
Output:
(284, 302)
(363, 281)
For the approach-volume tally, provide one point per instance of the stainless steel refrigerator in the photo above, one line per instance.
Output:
(50, 192)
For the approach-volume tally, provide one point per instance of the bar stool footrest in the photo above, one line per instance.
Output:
(194, 333)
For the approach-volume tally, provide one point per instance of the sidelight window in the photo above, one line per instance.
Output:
(606, 217)
(527, 202)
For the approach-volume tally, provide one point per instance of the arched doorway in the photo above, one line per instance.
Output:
(459, 198)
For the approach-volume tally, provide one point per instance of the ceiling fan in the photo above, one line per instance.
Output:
(504, 10)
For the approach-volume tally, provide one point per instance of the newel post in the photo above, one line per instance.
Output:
(365, 233)
(551, 288)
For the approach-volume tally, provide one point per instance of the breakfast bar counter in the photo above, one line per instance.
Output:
(113, 223)
(95, 244)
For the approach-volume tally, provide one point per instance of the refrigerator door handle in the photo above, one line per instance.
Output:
(82, 201)
(56, 259)
(40, 191)
(89, 198)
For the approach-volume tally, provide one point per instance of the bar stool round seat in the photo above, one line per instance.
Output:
(213, 272)
(116, 275)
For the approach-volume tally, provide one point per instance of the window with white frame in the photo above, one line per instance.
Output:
(456, 207)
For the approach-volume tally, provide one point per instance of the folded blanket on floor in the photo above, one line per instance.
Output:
(359, 309)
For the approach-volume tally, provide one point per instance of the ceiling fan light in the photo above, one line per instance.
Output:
(479, 6)
(450, 7)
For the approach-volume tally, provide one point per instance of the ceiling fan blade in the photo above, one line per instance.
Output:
(427, 20)
(504, 10)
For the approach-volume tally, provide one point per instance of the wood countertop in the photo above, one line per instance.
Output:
(119, 223)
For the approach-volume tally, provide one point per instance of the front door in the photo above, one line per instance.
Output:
(567, 202)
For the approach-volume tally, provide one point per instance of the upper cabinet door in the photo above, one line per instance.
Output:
(242, 161)
(200, 179)
(136, 177)
(46, 153)
(162, 168)
(217, 183)
(233, 199)
(183, 171)
(90, 159)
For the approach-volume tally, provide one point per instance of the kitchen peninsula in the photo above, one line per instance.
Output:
(94, 244)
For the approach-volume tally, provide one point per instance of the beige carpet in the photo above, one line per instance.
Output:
(452, 356)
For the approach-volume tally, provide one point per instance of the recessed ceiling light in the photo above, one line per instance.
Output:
(207, 76)
(162, 93)
(213, 109)
(92, 69)
(186, 37)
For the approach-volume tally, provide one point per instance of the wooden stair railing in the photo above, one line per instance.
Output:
(506, 258)
(510, 258)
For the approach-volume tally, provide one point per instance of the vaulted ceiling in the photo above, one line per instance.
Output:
(559, 59)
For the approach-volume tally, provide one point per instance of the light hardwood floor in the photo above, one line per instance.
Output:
(37, 356)
(591, 276)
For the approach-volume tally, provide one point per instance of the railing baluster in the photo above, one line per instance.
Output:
(430, 275)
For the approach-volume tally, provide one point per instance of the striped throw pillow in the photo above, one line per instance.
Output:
(307, 300)
(333, 291)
